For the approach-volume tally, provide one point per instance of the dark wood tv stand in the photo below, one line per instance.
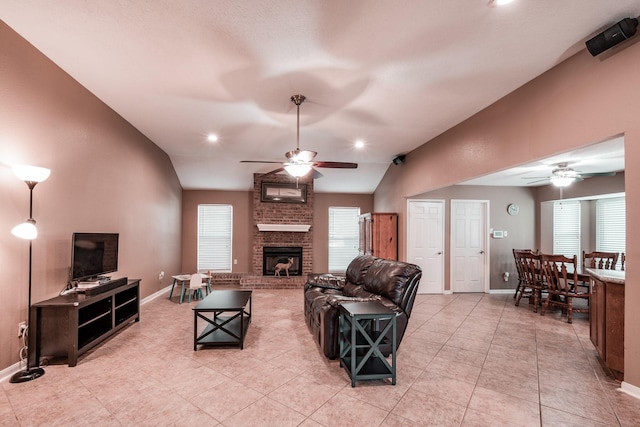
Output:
(67, 326)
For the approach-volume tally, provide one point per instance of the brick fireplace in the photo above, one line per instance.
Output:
(290, 223)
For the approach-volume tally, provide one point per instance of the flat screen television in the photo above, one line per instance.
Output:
(93, 254)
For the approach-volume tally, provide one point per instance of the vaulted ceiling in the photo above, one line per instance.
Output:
(391, 74)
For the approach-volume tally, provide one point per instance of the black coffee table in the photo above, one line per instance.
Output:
(227, 318)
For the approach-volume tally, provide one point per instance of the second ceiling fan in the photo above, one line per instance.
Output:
(300, 162)
(563, 175)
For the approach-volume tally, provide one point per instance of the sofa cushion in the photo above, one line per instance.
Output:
(389, 278)
(357, 268)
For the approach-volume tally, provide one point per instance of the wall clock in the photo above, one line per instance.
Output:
(513, 209)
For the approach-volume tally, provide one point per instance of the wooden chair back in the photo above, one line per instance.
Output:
(623, 260)
(560, 273)
(600, 260)
(530, 286)
(517, 256)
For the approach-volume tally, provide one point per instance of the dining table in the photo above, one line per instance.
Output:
(186, 278)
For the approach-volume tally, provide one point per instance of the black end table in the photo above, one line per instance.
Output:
(360, 340)
(227, 329)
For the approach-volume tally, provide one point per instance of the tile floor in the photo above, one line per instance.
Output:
(466, 360)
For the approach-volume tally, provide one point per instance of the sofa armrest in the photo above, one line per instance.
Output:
(325, 281)
(336, 300)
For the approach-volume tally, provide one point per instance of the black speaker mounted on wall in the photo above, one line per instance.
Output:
(398, 160)
(612, 36)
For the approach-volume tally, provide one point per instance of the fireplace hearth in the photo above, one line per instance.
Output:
(275, 258)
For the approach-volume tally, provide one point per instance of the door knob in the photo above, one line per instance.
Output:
(438, 253)
(481, 252)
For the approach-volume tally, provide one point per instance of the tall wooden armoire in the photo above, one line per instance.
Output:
(379, 235)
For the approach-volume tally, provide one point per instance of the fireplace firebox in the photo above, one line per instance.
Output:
(277, 259)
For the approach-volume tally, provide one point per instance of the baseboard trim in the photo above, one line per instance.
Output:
(630, 389)
(153, 296)
(9, 371)
(501, 291)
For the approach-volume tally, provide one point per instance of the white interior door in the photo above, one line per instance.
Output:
(469, 251)
(425, 243)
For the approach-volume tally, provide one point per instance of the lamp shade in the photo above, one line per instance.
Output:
(31, 173)
(297, 170)
(27, 230)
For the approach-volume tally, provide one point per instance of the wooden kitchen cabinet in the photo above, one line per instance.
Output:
(606, 317)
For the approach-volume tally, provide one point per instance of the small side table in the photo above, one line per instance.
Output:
(360, 339)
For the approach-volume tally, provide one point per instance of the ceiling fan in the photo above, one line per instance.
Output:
(563, 175)
(301, 161)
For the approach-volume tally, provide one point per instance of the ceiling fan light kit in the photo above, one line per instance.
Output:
(563, 175)
(562, 181)
(297, 170)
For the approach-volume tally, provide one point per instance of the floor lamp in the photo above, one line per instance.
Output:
(31, 175)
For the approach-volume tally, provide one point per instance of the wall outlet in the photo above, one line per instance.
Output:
(161, 276)
(22, 326)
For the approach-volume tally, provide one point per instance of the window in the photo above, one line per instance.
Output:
(343, 237)
(566, 229)
(215, 230)
(611, 225)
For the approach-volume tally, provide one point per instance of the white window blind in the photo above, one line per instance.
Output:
(611, 225)
(215, 231)
(566, 229)
(343, 237)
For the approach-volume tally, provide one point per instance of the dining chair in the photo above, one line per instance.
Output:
(561, 276)
(194, 288)
(521, 273)
(532, 284)
(601, 260)
(516, 258)
(623, 260)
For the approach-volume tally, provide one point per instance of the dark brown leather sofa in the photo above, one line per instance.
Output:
(392, 283)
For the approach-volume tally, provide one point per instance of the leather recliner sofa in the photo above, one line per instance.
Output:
(392, 283)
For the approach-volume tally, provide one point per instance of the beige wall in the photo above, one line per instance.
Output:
(242, 202)
(581, 101)
(105, 177)
(520, 228)
(242, 224)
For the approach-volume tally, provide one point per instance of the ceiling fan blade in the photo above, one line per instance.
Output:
(336, 165)
(539, 180)
(272, 172)
(589, 175)
(316, 174)
(258, 161)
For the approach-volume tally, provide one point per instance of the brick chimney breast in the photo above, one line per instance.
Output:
(282, 213)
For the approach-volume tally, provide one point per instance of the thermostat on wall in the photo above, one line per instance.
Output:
(499, 234)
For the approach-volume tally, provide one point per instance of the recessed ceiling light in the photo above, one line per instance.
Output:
(212, 138)
(502, 2)
(359, 143)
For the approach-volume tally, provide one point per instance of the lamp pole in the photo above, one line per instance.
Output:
(31, 176)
